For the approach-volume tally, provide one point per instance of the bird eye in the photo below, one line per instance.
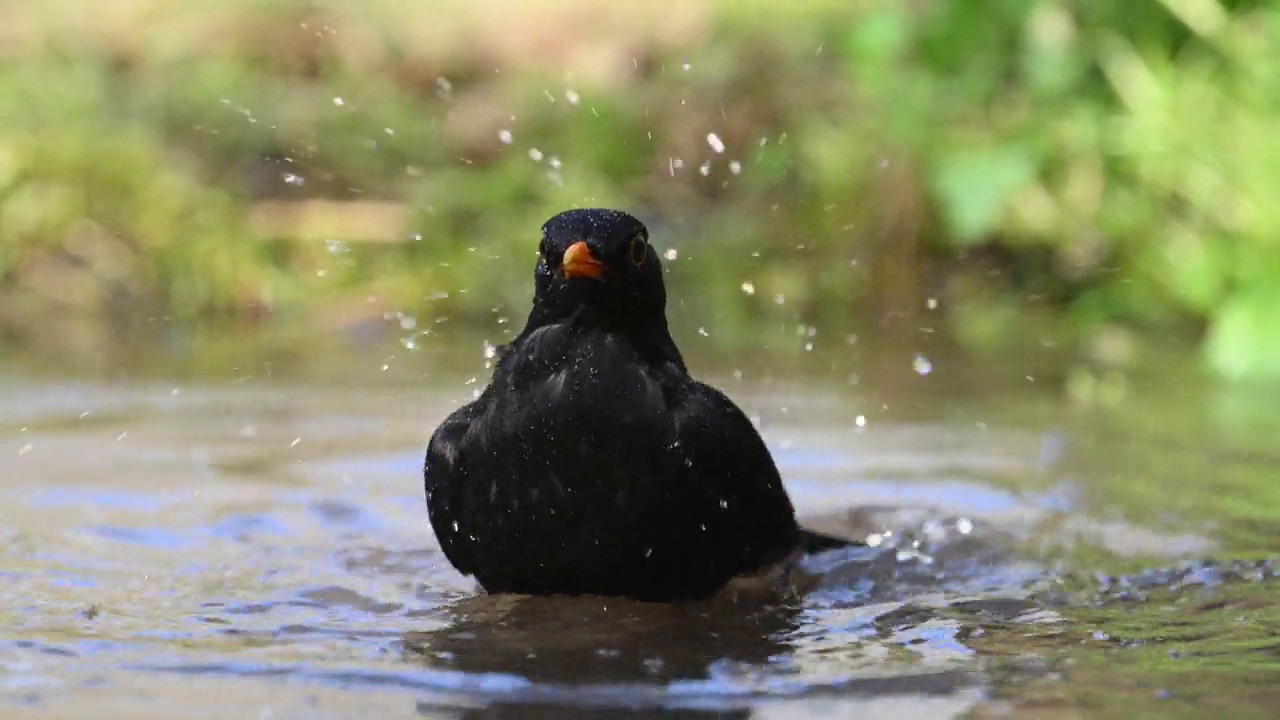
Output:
(639, 250)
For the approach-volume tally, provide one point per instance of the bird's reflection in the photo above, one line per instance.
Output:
(593, 642)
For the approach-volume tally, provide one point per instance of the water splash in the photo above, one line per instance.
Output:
(922, 365)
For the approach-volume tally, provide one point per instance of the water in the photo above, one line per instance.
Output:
(241, 533)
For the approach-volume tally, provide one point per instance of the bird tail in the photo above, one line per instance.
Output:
(815, 542)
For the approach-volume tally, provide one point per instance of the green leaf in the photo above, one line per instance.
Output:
(880, 36)
(1194, 269)
(974, 186)
(1244, 338)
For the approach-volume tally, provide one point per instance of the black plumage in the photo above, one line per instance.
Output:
(592, 463)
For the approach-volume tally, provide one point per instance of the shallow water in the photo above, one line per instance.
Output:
(251, 541)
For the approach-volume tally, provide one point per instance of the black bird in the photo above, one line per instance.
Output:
(593, 463)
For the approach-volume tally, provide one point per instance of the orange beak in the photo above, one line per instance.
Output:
(579, 262)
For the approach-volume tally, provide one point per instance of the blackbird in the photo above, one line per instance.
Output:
(593, 464)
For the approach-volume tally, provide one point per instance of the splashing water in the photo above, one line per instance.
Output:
(922, 365)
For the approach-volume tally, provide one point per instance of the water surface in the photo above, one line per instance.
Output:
(248, 539)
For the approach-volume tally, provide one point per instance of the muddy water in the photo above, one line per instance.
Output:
(252, 542)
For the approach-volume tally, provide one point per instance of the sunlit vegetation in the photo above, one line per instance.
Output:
(1107, 166)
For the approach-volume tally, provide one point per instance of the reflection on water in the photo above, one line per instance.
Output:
(248, 544)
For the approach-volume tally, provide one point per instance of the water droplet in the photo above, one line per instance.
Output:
(490, 350)
(964, 526)
(409, 343)
(715, 142)
(808, 347)
(389, 131)
(408, 322)
(687, 67)
(295, 442)
(705, 168)
(535, 154)
(749, 288)
(724, 504)
(25, 449)
(415, 237)
(337, 247)
(505, 136)
(780, 299)
(554, 162)
(735, 167)
(931, 303)
(292, 179)
(671, 254)
(921, 365)
(703, 332)
(572, 96)
(860, 421)
(338, 101)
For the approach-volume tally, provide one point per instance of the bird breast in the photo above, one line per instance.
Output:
(584, 376)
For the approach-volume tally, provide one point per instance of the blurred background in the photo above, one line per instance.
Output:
(995, 278)
(1086, 181)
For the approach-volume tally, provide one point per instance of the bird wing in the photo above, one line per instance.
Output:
(445, 475)
(732, 450)
(725, 455)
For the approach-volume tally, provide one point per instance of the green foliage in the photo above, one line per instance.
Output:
(1119, 157)
(974, 187)
(97, 213)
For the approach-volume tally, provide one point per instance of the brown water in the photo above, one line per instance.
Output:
(242, 533)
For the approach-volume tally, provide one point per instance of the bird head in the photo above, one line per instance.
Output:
(599, 260)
